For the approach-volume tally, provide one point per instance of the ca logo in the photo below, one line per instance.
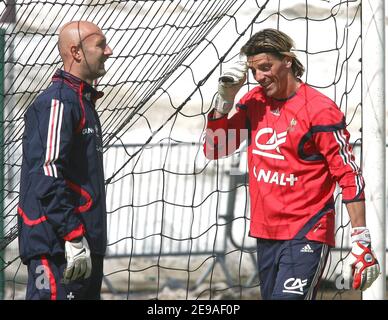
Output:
(294, 285)
(42, 281)
(270, 148)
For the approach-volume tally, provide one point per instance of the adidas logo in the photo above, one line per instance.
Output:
(307, 248)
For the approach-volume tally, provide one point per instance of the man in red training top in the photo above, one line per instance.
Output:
(298, 149)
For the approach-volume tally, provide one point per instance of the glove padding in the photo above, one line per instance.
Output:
(79, 263)
(229, 83)
(363, 264)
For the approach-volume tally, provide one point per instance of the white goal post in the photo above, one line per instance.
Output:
(374, 132)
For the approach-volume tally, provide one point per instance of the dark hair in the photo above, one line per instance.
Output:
(274, 42)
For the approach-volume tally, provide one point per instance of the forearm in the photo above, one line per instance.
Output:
(356, 212)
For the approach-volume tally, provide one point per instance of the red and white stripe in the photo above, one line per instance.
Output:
(344, 150)
(53, 138)
(348, 157)
(48, 272)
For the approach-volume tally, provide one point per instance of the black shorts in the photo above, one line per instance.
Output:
(290, 269)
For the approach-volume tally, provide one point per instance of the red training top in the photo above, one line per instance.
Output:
(298, 149)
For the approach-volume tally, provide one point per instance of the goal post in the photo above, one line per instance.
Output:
(2, 42)
(374, 134)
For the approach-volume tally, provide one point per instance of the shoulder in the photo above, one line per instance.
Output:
(254, 95)
(56, 100)
(321, 108)
(316, 100)
(56, 93)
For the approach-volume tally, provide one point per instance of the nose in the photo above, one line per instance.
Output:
(108, 51)
(259, 76)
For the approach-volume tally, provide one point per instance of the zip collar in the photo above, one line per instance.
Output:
(79, 86)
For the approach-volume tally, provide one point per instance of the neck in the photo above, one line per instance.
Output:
(290, 89)
(78, 74)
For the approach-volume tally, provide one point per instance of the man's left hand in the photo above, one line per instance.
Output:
(79, 264)
(362, 261)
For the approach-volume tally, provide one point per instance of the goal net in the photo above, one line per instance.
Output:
(177, 223)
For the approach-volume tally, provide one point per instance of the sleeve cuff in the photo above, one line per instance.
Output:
(76, 233)
(358, 198)
(210, 116)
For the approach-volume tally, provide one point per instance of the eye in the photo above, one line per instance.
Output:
(101, 43)
(265, 67)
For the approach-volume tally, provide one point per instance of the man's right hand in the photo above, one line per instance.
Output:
(229, 83)
(79, 263)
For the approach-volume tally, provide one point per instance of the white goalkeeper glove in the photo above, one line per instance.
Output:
(79, 263)
(362, 263)
(229, 83)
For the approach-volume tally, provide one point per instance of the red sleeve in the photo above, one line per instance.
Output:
(332, 140)
(223, 136)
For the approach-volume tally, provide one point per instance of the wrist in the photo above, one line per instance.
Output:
(76, 240)
(361, 234)
(217, 115)
(223, 106)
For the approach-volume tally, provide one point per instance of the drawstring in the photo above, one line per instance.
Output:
(82, 121)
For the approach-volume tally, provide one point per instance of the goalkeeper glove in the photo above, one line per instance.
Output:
(229, 83)
(363, 264)
(79, 263)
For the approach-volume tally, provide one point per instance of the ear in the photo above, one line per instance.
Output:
(287, 62)
(76, 53)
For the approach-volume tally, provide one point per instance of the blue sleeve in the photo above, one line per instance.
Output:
(50, 127)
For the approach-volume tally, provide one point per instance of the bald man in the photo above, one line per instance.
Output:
(62, 211)
(83, 50)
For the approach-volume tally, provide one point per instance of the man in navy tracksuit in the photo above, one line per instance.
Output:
(62, 213)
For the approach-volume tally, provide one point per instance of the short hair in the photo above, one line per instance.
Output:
(274, 42)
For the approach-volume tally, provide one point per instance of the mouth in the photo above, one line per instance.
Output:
(267, 85)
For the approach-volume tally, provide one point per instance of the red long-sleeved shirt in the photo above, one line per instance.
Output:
(297, 150)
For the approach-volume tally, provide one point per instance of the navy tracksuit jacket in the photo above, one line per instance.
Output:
(62, 194)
